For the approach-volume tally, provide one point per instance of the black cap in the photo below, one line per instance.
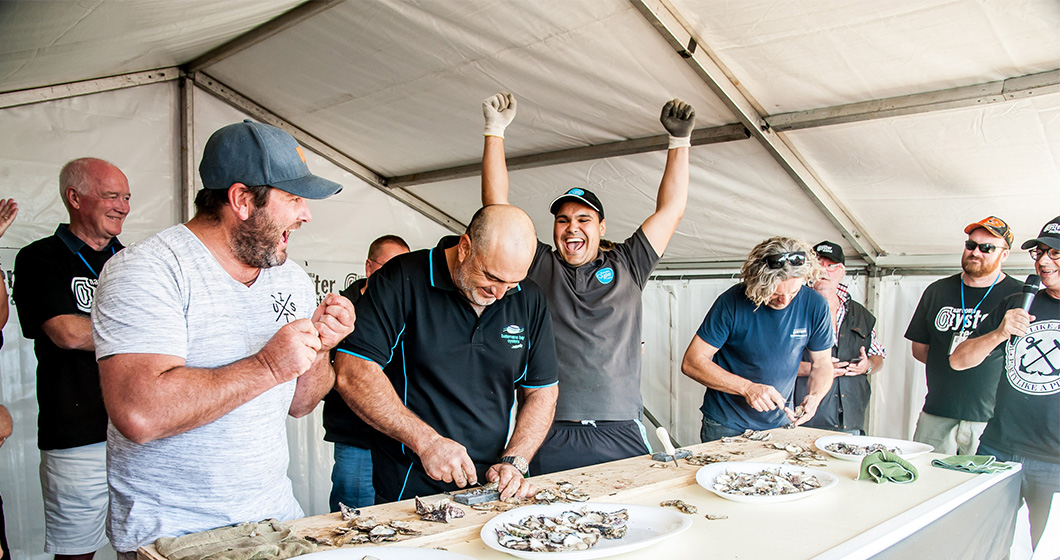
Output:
(830, 251)
(1050, 235)
(581, 195)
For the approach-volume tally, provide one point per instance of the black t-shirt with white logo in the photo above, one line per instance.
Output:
(1027, 414)
(454, 369)
(939, 317)
(56, 276)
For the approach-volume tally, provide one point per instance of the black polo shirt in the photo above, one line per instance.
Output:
(454, 369)
(342, 425)
(56, 276)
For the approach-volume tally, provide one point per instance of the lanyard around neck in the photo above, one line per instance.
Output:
(112, 251)
(964, 316)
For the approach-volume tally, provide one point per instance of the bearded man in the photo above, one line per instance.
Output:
(958, 404)
(207, 339)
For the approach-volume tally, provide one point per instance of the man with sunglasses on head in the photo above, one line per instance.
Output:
(958, 404)
(1025, 426)
(856, 354)
(748, 349)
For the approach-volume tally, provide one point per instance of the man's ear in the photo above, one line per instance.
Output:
(241, 201)
(73, 198)
(463, 248)
(603, 227)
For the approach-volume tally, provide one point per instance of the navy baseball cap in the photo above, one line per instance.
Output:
(830, 251)
(584, 196)
(257, 154)
(1050, 235)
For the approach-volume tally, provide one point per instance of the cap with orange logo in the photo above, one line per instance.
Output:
(257, 154)
(996, 226)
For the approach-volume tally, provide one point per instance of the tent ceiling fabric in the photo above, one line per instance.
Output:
(53, 42)
(396, 85)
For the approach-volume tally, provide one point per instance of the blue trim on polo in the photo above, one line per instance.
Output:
(540, 386)
(430, 266)
(354, 354)
(405, 395)
(396, 342)
(401, 494)
(523, 376)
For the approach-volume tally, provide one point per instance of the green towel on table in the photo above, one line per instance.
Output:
(268, 539)
(882, 466)
(978, 464)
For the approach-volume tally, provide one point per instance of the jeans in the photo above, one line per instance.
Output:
(1039, 481)
(351, 478)
(712, 430)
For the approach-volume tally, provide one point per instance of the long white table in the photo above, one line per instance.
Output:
(944, 514)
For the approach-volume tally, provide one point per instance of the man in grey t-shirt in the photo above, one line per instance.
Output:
(594, 290)
(207, 339)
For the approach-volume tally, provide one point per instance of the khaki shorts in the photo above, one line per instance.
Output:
(949, 436)
(74, 484)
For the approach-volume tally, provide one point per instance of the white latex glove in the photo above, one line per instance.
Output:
(678, 118)
(499, 110)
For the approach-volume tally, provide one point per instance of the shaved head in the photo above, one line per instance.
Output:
(494, 254)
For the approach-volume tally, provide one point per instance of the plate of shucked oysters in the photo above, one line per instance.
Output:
(855, 448)
(580, 531)
(759, 483)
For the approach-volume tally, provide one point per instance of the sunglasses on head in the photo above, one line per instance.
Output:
(794, 258)
(984, 248)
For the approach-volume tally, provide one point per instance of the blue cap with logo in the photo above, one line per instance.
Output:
(576, 194)
(256, 154)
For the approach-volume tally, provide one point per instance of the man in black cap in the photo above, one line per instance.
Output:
(207, 339)
(1025, 426)
(594, 291)
(958, 405)
(855, 355)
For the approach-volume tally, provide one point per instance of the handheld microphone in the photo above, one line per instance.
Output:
(1030, 289)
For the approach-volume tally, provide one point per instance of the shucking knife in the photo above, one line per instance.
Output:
(664, 437)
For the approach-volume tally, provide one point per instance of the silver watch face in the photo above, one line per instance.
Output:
(519, 463)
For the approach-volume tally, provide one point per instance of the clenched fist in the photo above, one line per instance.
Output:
(291, 351)
(499, 110)
(678, 118)
(333, 319)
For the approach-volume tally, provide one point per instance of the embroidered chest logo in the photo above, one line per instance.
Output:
(949, 319)
(1032, 364)
(800, 332)
(283, 307)
(605, 275)
(83, 289)
(513, 335)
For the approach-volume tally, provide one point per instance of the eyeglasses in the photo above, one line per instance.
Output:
(984, 248)
(794, 258)
(1037, 252)
(831, 267)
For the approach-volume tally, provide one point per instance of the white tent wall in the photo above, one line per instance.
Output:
(137, 130)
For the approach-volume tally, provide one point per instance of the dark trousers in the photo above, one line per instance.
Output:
(572, 445)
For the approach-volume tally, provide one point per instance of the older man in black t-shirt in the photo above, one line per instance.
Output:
(55, 280)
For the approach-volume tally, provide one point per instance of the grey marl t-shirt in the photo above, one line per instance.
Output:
(168, 295)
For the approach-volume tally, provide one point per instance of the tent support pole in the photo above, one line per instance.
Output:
(85, 87)
(712, 135)
(678, 33)
(187, 148)
(325, 150)
(977, 95)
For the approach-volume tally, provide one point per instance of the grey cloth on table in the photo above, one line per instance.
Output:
(267, 539)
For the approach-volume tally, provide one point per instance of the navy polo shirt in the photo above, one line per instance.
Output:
(454, 369)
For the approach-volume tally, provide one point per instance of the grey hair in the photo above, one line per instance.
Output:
(77, 174)
(761, 281)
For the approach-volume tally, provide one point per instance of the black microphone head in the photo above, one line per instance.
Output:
(1034, 283)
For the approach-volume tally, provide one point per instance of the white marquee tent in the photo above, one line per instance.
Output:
(885, 126)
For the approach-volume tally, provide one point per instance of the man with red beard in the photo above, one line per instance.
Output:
(958, 404)
(1026, 422)
(207, 339)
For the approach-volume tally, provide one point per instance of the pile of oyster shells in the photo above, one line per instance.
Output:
(766, 482)
(569, 531)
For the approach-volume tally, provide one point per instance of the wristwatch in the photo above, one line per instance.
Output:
(518, 462)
